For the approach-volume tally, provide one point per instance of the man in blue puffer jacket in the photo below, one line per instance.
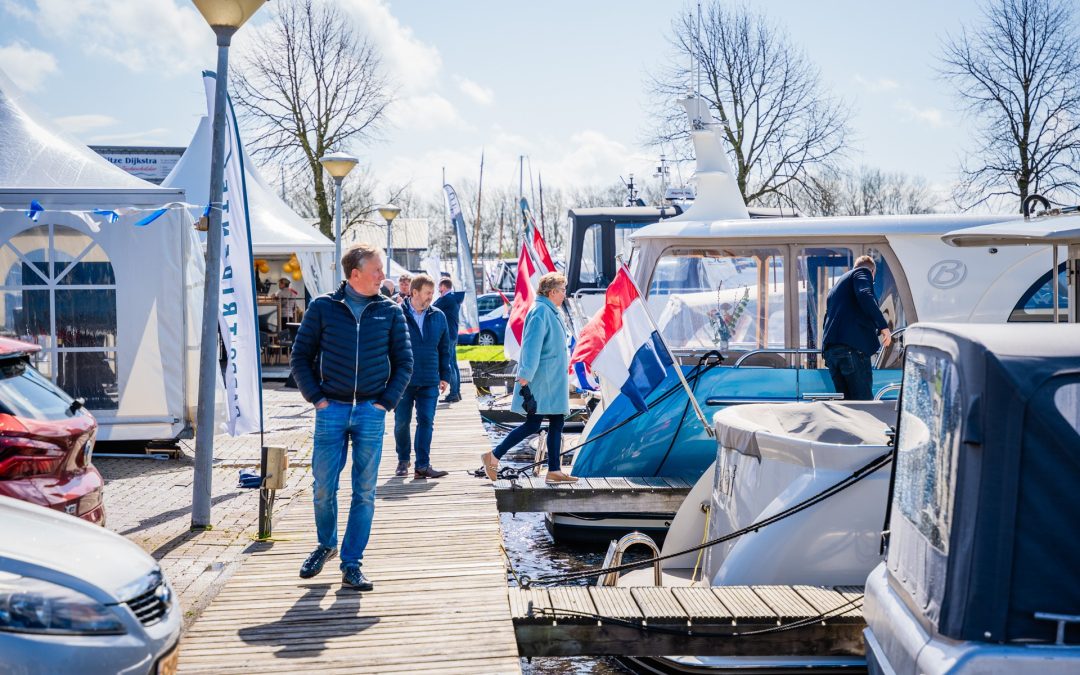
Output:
(430, 340)
(352, 359)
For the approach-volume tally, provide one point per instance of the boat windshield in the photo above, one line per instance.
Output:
(727, 299)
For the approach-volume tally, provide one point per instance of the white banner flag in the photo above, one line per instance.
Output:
(237, 318)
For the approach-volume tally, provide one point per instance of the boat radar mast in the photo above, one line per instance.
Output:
(718, 194)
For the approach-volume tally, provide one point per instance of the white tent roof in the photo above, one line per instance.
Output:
(275, 228)
(36, 154)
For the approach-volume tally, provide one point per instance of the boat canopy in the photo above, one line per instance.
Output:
(983, 525)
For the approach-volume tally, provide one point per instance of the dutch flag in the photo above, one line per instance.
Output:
(620, 345)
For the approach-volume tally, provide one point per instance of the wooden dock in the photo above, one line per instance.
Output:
(440, 598)
(690, 621)
(592, 495)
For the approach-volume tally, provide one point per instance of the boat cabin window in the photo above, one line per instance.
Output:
(592, 257)
(928, 444)
(1037, 303)
(622, 237)
(730, 299)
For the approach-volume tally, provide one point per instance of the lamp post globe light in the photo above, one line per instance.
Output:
(389, 212)
(338, 164)
(225, 17)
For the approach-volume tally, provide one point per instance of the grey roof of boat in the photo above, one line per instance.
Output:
(793, 228)
(1032, 340)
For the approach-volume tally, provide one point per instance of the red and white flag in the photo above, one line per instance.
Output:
(533, 263)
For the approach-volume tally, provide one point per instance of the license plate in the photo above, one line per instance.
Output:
(167, 664)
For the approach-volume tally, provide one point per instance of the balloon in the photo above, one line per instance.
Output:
(296, 275)
(287, 267)
(264, 267)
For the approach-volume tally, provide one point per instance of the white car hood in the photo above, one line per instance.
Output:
(39, 536)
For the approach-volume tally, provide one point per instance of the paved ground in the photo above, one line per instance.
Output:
(149, 501)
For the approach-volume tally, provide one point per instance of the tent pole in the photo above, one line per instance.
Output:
(208, 352)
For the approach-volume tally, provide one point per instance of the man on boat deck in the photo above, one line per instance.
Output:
(853, 322)
(352, 359)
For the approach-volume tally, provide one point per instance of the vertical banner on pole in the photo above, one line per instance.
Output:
(237, 319)
(470, 320)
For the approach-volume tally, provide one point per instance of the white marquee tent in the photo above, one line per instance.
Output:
(115, 305)
(275, 228)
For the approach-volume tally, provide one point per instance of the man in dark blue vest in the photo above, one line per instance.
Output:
(853, 322)
(450, 304)
(430, 340)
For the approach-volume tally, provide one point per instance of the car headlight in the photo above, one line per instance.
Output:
(30, 605)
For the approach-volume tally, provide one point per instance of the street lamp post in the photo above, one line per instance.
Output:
(389, 212)
(225, 18)
(339, 165)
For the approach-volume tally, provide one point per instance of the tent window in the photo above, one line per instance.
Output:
(59, 291)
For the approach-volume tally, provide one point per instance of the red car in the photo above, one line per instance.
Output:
(46, 440)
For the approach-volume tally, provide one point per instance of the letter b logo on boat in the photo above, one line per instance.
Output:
(947, 274)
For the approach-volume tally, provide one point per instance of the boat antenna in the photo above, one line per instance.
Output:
(631, 190)
(698, 60)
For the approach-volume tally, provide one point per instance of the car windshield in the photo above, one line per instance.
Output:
(24, 392)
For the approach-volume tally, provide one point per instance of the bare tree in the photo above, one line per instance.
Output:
(1019, 76)
(312, 84)
(863, 192)
(767, 94)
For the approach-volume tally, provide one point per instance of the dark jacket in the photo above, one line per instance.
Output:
(450, 305)
(852, 316)
(430, 351)
(337, 357)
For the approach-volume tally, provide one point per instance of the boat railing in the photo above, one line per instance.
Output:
(887, 389)
(615, 555)
(758, 352)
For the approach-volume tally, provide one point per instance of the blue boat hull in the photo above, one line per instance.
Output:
(669, 440)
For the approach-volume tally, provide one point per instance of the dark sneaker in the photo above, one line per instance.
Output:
(314, 563)
(452, 399)
(429, 472)
(402, 469)
(354, 578)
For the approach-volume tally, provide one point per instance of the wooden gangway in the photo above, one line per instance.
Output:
(688, 620)
(592, 495)
(440, 598)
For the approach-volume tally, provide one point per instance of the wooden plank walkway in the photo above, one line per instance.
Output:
(592, 495)
(692, 621)
(440, 598)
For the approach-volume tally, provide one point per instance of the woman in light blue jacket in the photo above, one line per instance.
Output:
(543, 385)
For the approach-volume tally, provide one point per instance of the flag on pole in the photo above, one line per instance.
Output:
(237, 320)
(469, 320)
(533, 263)
(621, 344)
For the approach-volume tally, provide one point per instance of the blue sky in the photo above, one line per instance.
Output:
(562, 82)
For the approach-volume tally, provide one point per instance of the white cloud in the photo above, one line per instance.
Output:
(932, 116)
(878, 85)
(414, 65)
(78, 124)
(423, 112)
(146, 137)
(142, 35)
(17, 10)
(26, 66)
(477, 92)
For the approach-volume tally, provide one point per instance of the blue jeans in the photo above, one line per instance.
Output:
(850, 372)
(530, 427)
(423, 398)
(335, 426)
(455, 374)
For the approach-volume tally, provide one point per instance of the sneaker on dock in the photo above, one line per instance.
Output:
(314, 563)
(429, 472)
(352, 577)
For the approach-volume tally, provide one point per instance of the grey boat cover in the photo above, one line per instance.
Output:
(834, 422)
